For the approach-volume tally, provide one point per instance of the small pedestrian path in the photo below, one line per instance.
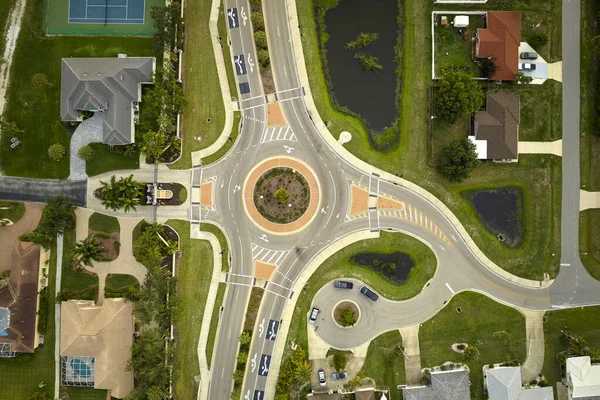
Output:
(125, 262)
(412, 353)
(57, 366)
(89, 131)
(541, 147)
(588, 200)
(534, 326)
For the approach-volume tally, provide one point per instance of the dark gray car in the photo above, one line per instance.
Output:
(529, 55)
(370, 294)
(343, 284)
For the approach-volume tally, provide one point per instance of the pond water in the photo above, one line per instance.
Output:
(377, 261)
(368, 93)
(499, 210)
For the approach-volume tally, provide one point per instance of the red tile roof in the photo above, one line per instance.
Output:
(501, 40)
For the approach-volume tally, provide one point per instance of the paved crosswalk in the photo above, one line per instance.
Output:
(262, 254)
(273, 133)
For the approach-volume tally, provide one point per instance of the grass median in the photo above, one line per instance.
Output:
(214, 323)
(339, 266)
(193, 281)
(206, 227)
(497, 331)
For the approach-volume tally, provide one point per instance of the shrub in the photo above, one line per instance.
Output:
(257, 21)
(537, 40)
(260, 39)
(389, 268)
(86, 153)
(339, 361)
(263, 58)
(347, 317)
(36, 237)
(281, 195)
(56, 151)
(43, 311)
(471, 353)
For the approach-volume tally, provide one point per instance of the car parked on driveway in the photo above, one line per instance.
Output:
(369, 293)
(313, 315)
(526, 67)
(529, 55)
(343, 284)
(321, 375)
(340, 375)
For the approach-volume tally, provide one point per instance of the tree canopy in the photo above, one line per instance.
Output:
(88, 250)
(126, 193)
(458, 95)
(457, 160)
(148, 364)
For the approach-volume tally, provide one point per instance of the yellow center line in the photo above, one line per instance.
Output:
(515, 294)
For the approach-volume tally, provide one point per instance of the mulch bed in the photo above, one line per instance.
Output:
(110, 253)
(345, 305)
(281, 178)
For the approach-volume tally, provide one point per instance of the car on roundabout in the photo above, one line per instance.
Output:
(339, 375)
(313, 315)
(369, 293)
(321, 375)
(343, 284)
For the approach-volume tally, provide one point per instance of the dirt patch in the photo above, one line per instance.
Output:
(110, 241)
(288, 180)
(345, 305)
(275, 115)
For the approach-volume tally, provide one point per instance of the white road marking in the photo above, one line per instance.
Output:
(449, 288)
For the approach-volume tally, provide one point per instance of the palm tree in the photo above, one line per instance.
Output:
(56, 151)
(124, 193)
(303, 371)
(88, 250)
(86, 153)
(172, 247)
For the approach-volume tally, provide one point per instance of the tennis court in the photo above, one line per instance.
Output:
(106, 11)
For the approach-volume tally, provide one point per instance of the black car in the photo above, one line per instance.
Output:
(343, 284)
(370, 294)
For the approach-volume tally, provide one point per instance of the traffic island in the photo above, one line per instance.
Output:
(346, 314)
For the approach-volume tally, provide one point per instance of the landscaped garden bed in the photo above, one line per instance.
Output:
(346, 314)
(281, 195)
(175, 194)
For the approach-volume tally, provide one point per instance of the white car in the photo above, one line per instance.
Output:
(526, 67)
(313, 315)
(321, 375)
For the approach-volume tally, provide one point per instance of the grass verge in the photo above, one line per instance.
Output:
(206, 227)
(106, 160)
(385, 364)
(581, 321)
(117, 285)
(193, 281)
(104, 223)
(338, 266)
(12, 210)
(214, 322)
(497, 331)
(589, 241)
(235, 130)
(84, 393)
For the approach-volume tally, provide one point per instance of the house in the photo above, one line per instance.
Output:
(583, 378)
(368, 394)
(109, 85)
(445, 385)
(504, 383)
(95, 345)
(500, 41)
(496, 130)
(18, 301)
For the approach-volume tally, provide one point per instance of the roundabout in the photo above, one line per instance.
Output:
(281, 195)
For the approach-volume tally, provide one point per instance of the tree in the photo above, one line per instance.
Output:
(148, 363)
(339, 361)
(40, 81)
(9, 128)
(489, 67)
(57, 216)
(56, 151)
(538, 40)
(263, 58)
(257, 21)
(245, 338)
(457, 160)
(150, 249)
(347, 317)
(88, 250)
(458, 95)
(281, 195)
(238, 377)
(471, 353)
(167, 21)
(165, 97)
(153, 145)
(125, 193)
(242, 358)
(260, 39)
(303, 371)
(86, 153)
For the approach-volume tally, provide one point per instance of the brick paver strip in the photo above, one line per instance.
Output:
(262, 222)
(359, 200)
(206, 194)
(386, 202)
(275, 115)
(263, 270)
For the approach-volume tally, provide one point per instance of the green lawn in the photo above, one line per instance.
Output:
(228, 144)
(476, 325)
(195, 272)
(206, 227)
(36, 111)
(117, 285)
(84, 393)
(104, 223)
(12, 210)
(385, 364)
(338, 266)
(253, 305)
(214, 322)
(5, 8)
(202, 88)
(81, 283)
(106, 160)
(581, 321)
(18, 380)
(589, 241)
(451, 50)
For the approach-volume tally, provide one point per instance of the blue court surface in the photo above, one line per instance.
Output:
(106, 11)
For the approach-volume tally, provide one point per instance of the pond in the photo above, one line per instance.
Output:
(381, 262)
(500, 211)
(370, 94)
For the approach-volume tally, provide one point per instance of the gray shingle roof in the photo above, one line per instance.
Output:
(109, 85)
(504, 383)
(445, 385)
(499, 125)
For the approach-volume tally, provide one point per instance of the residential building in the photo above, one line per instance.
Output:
(18, 300)
(445, 385)
(112, 86)
(500, 41)
(583, 378)
(496, 130)
(504, 383)
(95, 345)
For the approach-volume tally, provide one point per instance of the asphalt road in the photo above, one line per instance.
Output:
(38, 190)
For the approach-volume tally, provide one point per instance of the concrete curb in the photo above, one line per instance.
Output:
(363, 166)
(225, 90)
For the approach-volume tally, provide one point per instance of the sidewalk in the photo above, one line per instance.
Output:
(532, 367)
(195, 233)
(57, 367)
(588, 200)
(225, 90)
(541, 148)
(410, 341)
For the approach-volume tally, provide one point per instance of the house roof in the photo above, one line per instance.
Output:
(504, 383)
(501, 40)
(445, 385)
(104, 332)
(365, 394)
(499, 125)
(105, 84)
(585, 377)
(19, 296)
